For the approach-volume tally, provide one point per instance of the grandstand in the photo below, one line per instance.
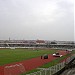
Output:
(37, 44)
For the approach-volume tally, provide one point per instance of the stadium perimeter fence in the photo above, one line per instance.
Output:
(53, 69)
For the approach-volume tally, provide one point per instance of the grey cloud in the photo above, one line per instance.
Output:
(37, 19)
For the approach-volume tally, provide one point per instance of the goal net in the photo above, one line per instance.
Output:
(14, 69)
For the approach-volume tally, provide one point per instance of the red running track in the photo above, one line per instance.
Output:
(27, 65)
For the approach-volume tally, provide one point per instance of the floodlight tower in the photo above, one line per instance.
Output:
(9, 38)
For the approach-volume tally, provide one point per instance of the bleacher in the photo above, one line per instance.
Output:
(37, 43)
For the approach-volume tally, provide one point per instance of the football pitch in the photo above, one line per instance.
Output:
(15, 55)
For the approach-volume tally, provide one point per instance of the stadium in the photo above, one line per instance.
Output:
(35, 57)
(37, 37)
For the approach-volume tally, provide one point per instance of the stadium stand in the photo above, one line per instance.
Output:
(37, 43)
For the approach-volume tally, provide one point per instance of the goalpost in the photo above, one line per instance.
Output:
(12, 47)
(14, 69)
(9, 46)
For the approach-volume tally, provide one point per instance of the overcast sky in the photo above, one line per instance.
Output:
(37, 19)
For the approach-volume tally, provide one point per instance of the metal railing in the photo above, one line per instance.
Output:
(52, 70)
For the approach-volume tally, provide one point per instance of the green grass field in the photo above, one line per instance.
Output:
(9, 55)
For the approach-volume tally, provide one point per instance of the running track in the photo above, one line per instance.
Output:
(27, 65)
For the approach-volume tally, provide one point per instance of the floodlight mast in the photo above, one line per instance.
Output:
(9, 38)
